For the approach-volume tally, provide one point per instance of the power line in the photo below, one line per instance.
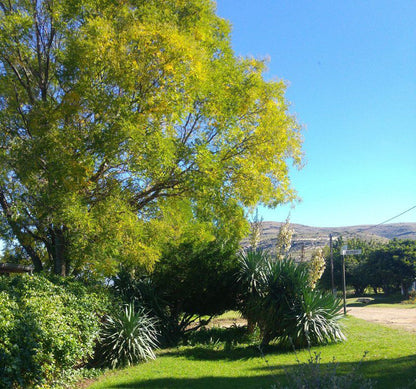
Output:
(386, 221)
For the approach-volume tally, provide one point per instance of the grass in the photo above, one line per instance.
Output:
(390, 361)
(230, 315)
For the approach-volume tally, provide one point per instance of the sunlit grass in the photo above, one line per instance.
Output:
(390, 361)
(231, 315)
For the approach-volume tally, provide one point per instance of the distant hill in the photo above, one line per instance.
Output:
(309, 238)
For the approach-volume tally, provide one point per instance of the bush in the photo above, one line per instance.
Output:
(317, 319)
(280, 300)
(191, 283)
(128, 337)
(46, 328)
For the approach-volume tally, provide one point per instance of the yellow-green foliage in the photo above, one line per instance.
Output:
(128, 113)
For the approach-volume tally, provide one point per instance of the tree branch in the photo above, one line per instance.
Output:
(20, 236)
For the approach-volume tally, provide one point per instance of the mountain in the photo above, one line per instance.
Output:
(309, 238)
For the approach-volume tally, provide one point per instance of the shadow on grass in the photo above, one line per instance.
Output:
(262, 382)
(384, 373)
(202, 353)
(388, 373)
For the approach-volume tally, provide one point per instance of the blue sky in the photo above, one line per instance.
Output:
(351, 73)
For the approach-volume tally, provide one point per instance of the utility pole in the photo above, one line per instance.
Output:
(344, 285)
(332, 264)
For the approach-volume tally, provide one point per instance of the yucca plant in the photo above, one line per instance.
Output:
(285, 284)
(279, 299)
(128, 337)
(253, 269)
(317, 319)
(294, 312)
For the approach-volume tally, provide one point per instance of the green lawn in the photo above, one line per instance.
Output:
(391, 361)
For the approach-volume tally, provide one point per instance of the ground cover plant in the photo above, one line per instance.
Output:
(389, 363)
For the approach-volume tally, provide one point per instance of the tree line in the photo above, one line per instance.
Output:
(383, 267)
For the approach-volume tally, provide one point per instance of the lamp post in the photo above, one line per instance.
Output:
(332, 265)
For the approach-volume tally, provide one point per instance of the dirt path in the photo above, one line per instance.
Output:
(394, 317)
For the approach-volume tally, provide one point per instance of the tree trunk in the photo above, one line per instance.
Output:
(58, 251)
(24, 239)
(37, 263)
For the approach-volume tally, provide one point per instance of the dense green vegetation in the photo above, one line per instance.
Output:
(191, 283)
(389, 363)
(389, 267)
(187, 285)
(278, 299)
(133, 141)
(128, 125)
(46, 328)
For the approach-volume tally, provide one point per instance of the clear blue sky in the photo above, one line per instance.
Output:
(351, 73)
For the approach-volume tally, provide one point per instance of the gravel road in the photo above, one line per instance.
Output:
(394, 317)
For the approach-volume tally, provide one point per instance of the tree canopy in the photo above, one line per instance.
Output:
(128, 124)
(390, 266)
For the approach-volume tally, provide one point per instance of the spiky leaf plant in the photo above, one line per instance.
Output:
(285, 283)
(128, 337)
(318, 320)
(253, 269)
(278, 297)
(252, 277)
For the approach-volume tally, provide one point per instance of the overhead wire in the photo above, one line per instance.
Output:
(388, 220)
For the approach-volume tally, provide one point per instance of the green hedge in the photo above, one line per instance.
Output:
(46, 328)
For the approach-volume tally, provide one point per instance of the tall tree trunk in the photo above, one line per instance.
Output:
(24, 239)
(58, 251)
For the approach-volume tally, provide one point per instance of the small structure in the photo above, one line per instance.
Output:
(365, 300)
(7, 268)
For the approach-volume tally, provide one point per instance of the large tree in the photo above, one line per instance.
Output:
(125, 124)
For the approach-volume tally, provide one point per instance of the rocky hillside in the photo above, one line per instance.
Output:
(309, 238)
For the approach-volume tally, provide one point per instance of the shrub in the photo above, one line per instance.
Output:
(46, 328)
(17, 348)
(279, 299)
(191, 283)
(128, 337)
(317, 320)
